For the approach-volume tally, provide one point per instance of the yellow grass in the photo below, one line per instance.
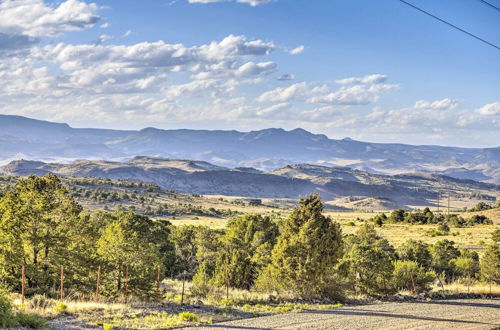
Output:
(475, 238)
(211, 222)
(477, 288)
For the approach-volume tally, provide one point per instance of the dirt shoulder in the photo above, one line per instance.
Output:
(435, 314)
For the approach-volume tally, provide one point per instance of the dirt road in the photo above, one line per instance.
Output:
(445, 314)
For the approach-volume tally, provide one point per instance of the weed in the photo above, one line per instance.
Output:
(189, 317)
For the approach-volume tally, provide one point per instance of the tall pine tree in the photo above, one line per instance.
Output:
(308, 249)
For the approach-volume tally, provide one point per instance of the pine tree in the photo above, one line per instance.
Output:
(308, 249)
(490, 264)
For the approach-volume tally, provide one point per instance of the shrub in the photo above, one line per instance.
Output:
(443, 227)
(107, 326)
(40, 302)
(408, 275)
(7, 317)
(61, 308)
(31, 321)
(189, 317)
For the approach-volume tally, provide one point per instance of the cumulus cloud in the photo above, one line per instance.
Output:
(347, 95)
(491, 109)
(34, 18)
(444, 104)
(252, 3)
(148, 72)
(297, 50)
(354, 95)
(284, 94)
(370, 79)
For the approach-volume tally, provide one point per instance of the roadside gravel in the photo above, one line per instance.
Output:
(435, 314)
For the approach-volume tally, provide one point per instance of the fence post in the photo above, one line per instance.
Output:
(62, 283)
(158, 279)
(98, 283)
(182, 294)
(126, 284)
(22, 284)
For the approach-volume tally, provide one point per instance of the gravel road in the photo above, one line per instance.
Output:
(444, 314)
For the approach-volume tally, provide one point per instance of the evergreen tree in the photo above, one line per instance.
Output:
(368, 262)
(490, 264)
(417, 251)
(409, 275)
(39, 227)
(308, 249)
(246, 247)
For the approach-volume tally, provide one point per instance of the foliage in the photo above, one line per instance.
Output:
(31, 321)
(443, 252)
(495, 236)
(368, 262)
(408, 275)
(39, 226)
(308, 249)
(426, 216)
(481, 206)
(245, 251)
(189, 317)
(416, 251)
(133, 243)
(490, 264)
(7, 316)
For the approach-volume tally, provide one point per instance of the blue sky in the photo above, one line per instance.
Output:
(371, 70)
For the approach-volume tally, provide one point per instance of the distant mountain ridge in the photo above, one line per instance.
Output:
(266, 150)
(337, 185)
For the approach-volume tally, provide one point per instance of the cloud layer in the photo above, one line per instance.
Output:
(235, 82)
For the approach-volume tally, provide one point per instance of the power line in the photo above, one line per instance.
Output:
(448, 23)
(490, 4)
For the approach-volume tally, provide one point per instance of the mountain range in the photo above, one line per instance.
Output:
(264, 150)
(338, 186)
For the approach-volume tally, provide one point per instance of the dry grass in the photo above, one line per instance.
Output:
(214, 223)
(477, 288)
(493, 214)
(474, 238)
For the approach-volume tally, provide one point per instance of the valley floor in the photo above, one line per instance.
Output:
(444, 314)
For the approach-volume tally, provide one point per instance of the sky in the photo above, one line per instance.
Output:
(376, 71)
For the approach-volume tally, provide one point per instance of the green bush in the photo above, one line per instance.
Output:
(189, 317)
(408, 275)
(7, 317)
(61, 308)
(31, 321)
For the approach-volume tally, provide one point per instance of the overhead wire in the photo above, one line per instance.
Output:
(450, 24)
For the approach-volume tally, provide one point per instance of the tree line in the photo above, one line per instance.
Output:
(426, 216)
(306, 254)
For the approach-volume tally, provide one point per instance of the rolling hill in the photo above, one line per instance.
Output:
(364, 190)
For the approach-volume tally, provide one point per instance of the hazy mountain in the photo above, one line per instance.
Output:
(266, 149)
(337, 185)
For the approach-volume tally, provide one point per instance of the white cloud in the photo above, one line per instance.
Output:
(297, 50)
(128, 33)
(354, 95)
(34, 18)
(284, 94)
(444, 104)
(491, 109)
(252, 3)
(370, 79)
